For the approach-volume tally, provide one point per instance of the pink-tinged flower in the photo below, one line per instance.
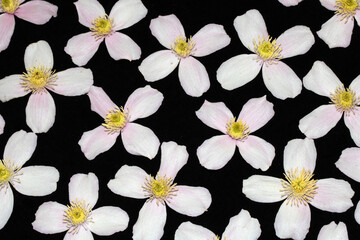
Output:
(37, 80)
(37, 12)
(337, 31)
(30, 181)
(241, 226)
(2, 124)
(299, 189)
(137, 139)
(124, 14)
(214, 153)
(193, 76)
(333, 231)
(160, 190)
(344, 101)
(78, 218)
(288, 3)
(278, 77)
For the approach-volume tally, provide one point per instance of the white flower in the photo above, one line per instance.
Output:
(333, 231)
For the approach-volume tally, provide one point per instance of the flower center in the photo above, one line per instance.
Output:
(160, 188)
(38, 78)
(346, 9)
(102, 27)
(218, 238)
(237, 130)
(345, 100)
(116, 120)
(77, 214)
(9, 6)
(8, 173)
(183, 47)
(267, 50)
(299, 187)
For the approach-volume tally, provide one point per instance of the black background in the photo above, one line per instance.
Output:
(176, 119)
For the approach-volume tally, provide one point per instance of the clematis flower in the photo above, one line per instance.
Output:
(215, 152)
(2, 124)
(337, 31)
(132, 181)
(193, 76)
(37, 12)
(299, 189)
(38, 79)
(124, 14)
(333, 231)
(78, 218)
(30, 181)
(241, 226)
(137, 139)
(344, 101)
(278, 77)
(288, 3)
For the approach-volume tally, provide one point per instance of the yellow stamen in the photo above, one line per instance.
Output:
(9, 6)
(38, 78)
(218, 238)
(77, 215)
(102, 27)
(237, 130)
(345, 100)
(8, 173)
(183, 47)
(346, 9)
(268, 50)
(116, 120)
(162, 189)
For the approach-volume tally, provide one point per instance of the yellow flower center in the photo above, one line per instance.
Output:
(9, 6)
(299, 187)
(38, 78)
(218, 238)
(183, 47)
(345, 100)
(8, 173)
(116, 120)
(237, 130)
(268, 50)
(162, 189)
(346, 9)
(77, 214)
(102, 27)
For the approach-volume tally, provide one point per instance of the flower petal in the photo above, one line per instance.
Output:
(333, 195)
(10, 88)
(126, 13)
(140, 140)
(190, 231)
(82, 234)
(353, 124)
(263, 189)
(49, 218)
(333, 231)
(38, 54)
(100, 101)
(355, 84)
(173, 158)
(108, 220)
(329, 4)
(288, 3)
(7, 205)
(357, 213)
(2, 124)
(190, 201)
(349, 163)
(88, 10)
(7, 26)
(120, 46)
(299, 154)
(37, 12)
(84, 187)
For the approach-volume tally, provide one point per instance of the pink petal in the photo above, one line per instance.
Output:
(7, 26)
(329, 4)
(37, 12)
(158, 65)
(355, 84)
(238, 71)
(357, 213)
(83, 234)
(288, 3)
(120, 46)
(7, 205)
(173, 158)
(126, 13)
(108, 220)
(349, 163)
(320, 121)
(96, 141)
(214, 153)
(357, 17)
(333, 231)
(300, 154)
(263, 189)
(100, 101)
(214, 115)
(209, 39)
(73, 81)
(10, 88)
(82, 48)
(38, 54)
(84, 187)
(292, 221)
(49, 218)
(190, 201)
(2, 124)
(353, 124)
(281, 80)
(190, 231)
(140, 140)
(257, 112)
(336, 33)
(193, 77)
(333, 195)
(257, 152)
(166, 29)
(88, 10)
(143, 102)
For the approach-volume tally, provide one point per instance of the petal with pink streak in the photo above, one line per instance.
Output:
(38, 54)
(140, 140)
(300, 154)
(288, 3)
(190, 201)
(7, 205)
(10, 88)
(82, 48)
(355, 85)
(336, 33)
(353, 124)
(193, 77)
(7, 26)
(292, 221)
(209, 39)
(264, 189)
(166, 29)
(37, 12)
(238, 71)
(96, 141)
(333, 195)
(281, 80)
(120, 46)
(126, 13)
(333, 231)
(143, 102)
(349, 163)
(88, 10)
(151, 221)
(82, 234)
(250, 27)
(173, 158)
(158, 65)
(84, 187)
(49, 218)
(190, 231)
(108, 220)
(100, 101)
(320, 121)
(356, 215)
(329, 4)
(2, 124)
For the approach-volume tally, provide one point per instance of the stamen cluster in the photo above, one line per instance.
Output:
(102, 27)
(37, 79)
(183, 47)
(161, 189)
(237, 130)
(8, 173)
(346, 9)
(9, 6)
(77, 215)
(345, 100)
(116, 120)
(268, 50)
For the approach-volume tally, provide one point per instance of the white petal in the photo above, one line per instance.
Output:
(88, 10)
(83, 234)
(127, 12)
(108, 220)
(38, 54)
(355, 84)
(121, 46)
(173, 158)
(84, 187)
(329, 4)
(10, 88)
(357, 213)
(353, 124)
(300, 153)
(349, 163)
(288, 3)
(2, 124)
(7, 205)
(49, 218)
(295, 41)
(333, 231)
(190, 231)
(263, 189)
(100, 101)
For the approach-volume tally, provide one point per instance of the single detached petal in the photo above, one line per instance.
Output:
(214, 153)
(126, 13)
(108, 220)
(143, 102)
(100, 101)
(209, 39)
(292, 221)
(263, 189)
(166, 29)
(49, 218)
(333, 195)
(238, 71)
(88, 11)
(355, 84)
(96, 141)
(120, 46)
(357, 213)
(37, 12)
(158, 65)
(353, 124)
(329, 4)
(37, 180)
(190, 231)
(2, 124)
(300, 154)
(140, 140)
(349, 163)
(84, 187)
(281, 80)
(38, 54)
(7, 205)
(320, 121)
(7, 26)
(173, 158)
(10, 88)
(333, 231)
(82, 234)
(288, 3)
(40, 112)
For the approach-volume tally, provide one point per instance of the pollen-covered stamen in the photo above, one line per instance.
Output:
(116, 120)
(218, 238)
(9, 6)
(38, 78)
(268, 50)
(237, 130)
(183, 47)
(299, 187)
(102, 27)
(78, 214)
(162, 189)
(346, 9)
(345, 100)
(8, 173)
